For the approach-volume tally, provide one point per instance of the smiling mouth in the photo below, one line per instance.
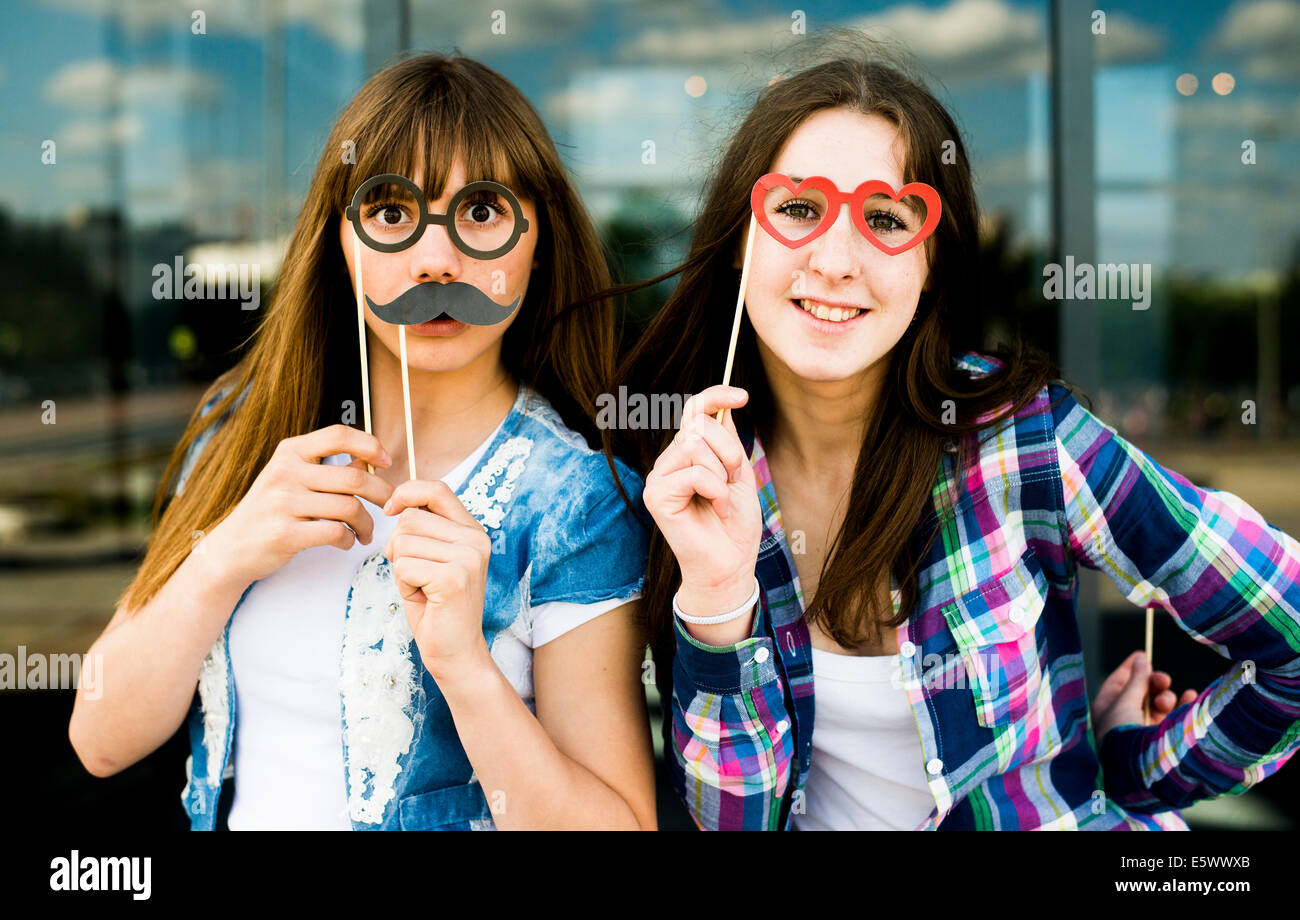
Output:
(823, 311)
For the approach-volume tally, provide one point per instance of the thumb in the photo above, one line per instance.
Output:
(1114, 683)
(1138, 684)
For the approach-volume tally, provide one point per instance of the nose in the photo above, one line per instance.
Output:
(836, 254)
(434, 257)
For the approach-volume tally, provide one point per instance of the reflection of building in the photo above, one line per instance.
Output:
(194, 140)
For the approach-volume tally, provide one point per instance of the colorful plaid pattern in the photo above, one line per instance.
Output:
(991, 659)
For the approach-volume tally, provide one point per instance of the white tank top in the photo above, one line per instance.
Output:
(867, 770)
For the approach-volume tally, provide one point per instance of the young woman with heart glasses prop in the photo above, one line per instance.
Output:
(887, 518)
(451, 645)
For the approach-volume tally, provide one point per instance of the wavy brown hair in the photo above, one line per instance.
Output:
(303, 362)
(888, 526)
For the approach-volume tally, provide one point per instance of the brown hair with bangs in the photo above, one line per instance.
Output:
(302, 364)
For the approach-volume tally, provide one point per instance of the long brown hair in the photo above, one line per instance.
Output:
(684, 347)
(303, 361)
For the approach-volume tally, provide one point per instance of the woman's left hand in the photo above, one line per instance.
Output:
(1119, 701)
(440, 554)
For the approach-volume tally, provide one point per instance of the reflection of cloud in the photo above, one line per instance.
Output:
(1246, 114)
(602, 95)
(210, 194)
(337, 20)
(88, 134)
(1016, 168)
(470, 26)
(1127, 40)
(962, 30)
(86, 85)
(1267, 32)
(657, 141)
(965, 38)
(709, 42)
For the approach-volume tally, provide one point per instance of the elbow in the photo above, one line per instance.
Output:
(94, 762)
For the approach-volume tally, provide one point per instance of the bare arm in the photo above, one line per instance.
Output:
(149, 666)
(586, 760)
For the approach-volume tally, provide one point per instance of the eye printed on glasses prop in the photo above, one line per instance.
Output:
(796, 214)
(483, 220)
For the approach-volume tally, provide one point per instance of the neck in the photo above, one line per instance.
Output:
(819, 425)
(451, 411)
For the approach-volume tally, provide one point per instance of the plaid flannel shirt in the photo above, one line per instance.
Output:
(991, 659)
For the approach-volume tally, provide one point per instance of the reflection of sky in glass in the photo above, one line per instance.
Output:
(192, 126)
(204, 143)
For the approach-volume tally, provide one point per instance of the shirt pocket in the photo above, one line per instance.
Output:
(995, 627)
(460, 807)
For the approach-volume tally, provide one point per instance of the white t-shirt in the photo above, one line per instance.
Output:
(866, 769)
(285, 642)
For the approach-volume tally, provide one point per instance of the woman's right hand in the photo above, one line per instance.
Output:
(297, 502)
(703, 496)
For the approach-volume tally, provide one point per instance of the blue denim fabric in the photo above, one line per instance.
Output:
(560, 532)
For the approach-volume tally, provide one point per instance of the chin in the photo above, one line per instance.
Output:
(820, 370)
(438, 356)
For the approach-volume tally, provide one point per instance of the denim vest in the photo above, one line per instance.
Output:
(560, 532)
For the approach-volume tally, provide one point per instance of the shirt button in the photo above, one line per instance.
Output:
(934, 767)
(906, 649)
(1017, 613)
(760, 655)
(782, 726)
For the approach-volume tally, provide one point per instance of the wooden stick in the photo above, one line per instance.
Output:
(740, 307)
(361, 336)
(406, 404)
(1146, 697)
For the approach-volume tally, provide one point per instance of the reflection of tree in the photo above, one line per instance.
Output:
(79, 316)
(1214, 331)
(49, 316)
(1210, 330)
(1013, 289)
(644, 239)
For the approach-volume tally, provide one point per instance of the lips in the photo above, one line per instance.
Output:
(440, 325)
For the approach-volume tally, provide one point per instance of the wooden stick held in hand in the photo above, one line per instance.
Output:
(1146, 697)
(740, 307)
(361, 337)
(406, 404)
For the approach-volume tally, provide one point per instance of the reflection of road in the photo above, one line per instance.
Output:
(58, 588)
(58, 612)
(36, 457)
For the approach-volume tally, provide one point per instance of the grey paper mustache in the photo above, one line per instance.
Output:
(433, 299)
